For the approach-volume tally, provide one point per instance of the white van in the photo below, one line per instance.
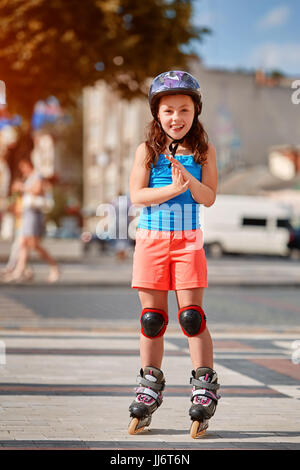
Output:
(246, 224)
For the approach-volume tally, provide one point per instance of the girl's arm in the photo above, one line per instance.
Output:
(140, 194)
(203, 192)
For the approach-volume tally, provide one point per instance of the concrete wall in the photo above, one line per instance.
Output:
(245, 117)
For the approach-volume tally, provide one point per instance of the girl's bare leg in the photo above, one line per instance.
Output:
(151, 350)
(201, 347)
(21, 263)
(54, 270)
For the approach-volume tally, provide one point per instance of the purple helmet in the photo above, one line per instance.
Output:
(173, 82)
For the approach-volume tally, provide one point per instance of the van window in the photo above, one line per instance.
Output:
(285, 223)
(254, 221)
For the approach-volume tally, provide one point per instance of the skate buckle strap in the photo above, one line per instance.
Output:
(148, 383)
(205, 393)
(147, 391)
(204, 384)
(151, 393)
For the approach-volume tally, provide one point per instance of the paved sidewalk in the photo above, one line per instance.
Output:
(67, 384)
(71, 388)
(229, 270)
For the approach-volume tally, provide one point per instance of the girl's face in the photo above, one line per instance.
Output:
(176, 114)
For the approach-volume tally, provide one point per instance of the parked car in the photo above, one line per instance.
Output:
(246, 225)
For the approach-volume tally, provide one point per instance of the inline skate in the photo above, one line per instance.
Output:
(204, 399)
(148, 398)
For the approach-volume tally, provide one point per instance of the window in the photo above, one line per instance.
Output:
(284, 223)
(254, 222)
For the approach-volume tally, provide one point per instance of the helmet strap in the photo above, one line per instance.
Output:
(174, 144)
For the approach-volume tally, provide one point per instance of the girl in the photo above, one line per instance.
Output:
(173, 172)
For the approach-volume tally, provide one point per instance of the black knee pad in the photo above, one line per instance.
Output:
(154, 322)
(192, 320)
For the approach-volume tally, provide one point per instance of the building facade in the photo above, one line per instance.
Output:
(245, 116)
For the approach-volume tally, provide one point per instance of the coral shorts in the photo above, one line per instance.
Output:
(166, 260)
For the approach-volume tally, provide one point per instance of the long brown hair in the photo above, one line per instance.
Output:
(196, 140)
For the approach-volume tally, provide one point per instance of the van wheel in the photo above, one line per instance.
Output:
(215, 250)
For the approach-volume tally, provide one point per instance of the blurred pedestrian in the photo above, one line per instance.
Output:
(16, 208)
(33, 201)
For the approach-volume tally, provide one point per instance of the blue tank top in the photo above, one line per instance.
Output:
(178, 213)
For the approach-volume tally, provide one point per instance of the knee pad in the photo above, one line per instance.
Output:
(154, 322)
(192, 320)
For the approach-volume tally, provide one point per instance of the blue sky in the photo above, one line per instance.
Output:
(250, 34)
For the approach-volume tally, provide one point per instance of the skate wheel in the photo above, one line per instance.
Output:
(133, 426)
(198, 429)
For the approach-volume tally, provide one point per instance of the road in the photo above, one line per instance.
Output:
(276, 308)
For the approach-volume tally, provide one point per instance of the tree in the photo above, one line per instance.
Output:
(56, 47)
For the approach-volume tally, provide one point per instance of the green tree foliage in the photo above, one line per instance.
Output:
(55, 47)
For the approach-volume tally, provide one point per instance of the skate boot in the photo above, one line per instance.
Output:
(148, 398)
(204, 399)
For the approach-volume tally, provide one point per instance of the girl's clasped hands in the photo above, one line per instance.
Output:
(180, 176)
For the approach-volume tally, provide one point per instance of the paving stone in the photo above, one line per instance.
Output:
(62, 401)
